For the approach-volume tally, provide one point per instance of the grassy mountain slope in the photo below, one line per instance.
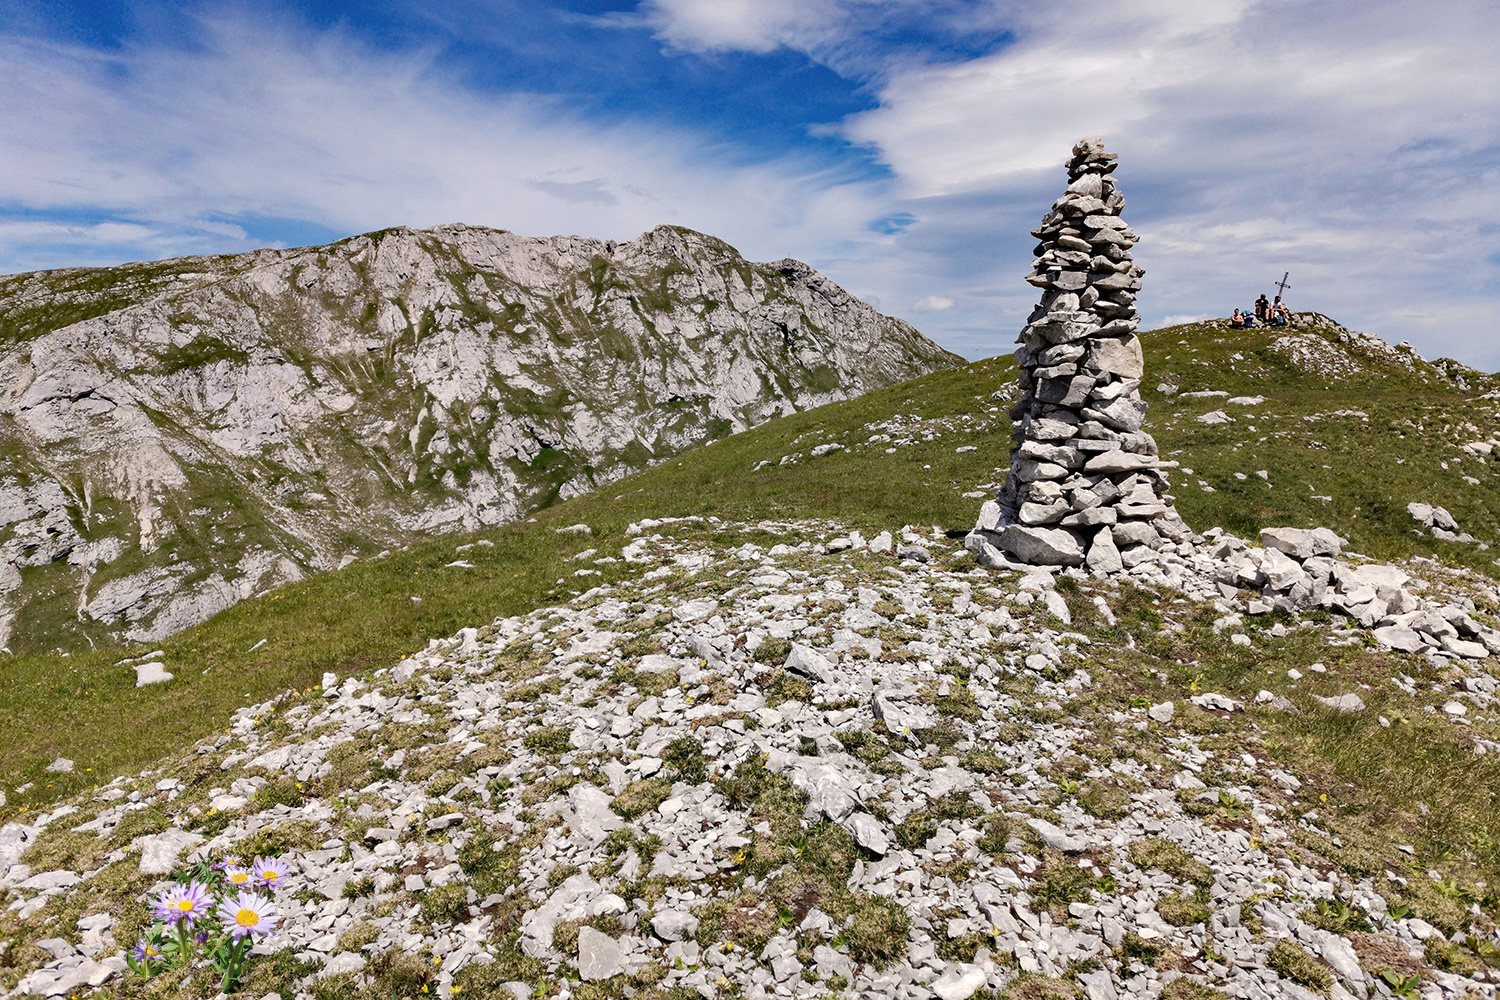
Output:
(1374, 432)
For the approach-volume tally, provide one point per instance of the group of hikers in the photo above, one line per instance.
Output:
(1266, 314)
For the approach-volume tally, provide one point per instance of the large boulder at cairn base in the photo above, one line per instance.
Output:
(1043, 546)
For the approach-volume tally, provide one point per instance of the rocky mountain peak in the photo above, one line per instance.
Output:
(186, 433)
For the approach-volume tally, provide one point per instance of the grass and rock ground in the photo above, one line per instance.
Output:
(1374, 827)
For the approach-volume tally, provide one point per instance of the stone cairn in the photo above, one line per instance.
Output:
(1085, 485)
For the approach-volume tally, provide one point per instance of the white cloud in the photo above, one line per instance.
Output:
(1353, 145)
(932, 304)
(854, 37)
(264, 120)
(740, 25)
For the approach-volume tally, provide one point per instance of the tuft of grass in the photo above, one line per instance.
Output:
(1035, 986)
(985, 762)
(684, 755)
(1104, 800)
(641, 797)
(1163, 855)
(1133, 947)
(995, 835)
(560, 874)
(1291, 962)
(773, 651)
(356, 937)
(878, 931)
(1184, 988)
(551, 740)
(1182, 910)
(1062, 882)
(445, 904)
(1338, 916)
(358, 888)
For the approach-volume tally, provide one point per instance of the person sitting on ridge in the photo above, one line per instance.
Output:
(1237, 321)
(1279, 314)
(1262, 309)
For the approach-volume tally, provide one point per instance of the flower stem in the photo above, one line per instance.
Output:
(184, 954)
(232, 967)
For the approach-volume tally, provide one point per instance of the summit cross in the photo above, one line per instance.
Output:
(1282, 283)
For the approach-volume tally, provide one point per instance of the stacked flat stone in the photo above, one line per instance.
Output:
(1085, 486)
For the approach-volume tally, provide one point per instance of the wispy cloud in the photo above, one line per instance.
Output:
(271, 120)
(932, 304)
(1354, 145)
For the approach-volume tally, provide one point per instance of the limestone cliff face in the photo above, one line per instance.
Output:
(177, 436)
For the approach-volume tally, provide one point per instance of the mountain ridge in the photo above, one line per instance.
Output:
(279, 412)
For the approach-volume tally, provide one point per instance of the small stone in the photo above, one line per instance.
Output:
(344, 961)
(444, 822)
(674, 925)
(599, 955)
(869, 833)
(696, 610)
(960, 982)
(1104, 555)
(1343, 703)
(1161, 713)
(1097, 985)
(1055, 838)
(43, 881)
(159, 853)
(61, 765)
(809, 663)
(1402, 639)
(151, 673)
(1295, 542)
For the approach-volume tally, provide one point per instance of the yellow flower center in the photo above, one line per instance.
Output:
(247, 917)
(185, 905)
(269, 874)
(240, 877)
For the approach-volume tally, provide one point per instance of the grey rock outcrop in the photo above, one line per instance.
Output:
(1085, 484)
(223, 425)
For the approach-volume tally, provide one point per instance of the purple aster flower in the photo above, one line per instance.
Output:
(184, 905)
(238, 876)
(248, 913)
(145, 953)
(270, 872)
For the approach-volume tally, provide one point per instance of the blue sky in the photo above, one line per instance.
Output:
(904, 147)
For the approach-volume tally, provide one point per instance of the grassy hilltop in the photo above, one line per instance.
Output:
(1349, 432)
